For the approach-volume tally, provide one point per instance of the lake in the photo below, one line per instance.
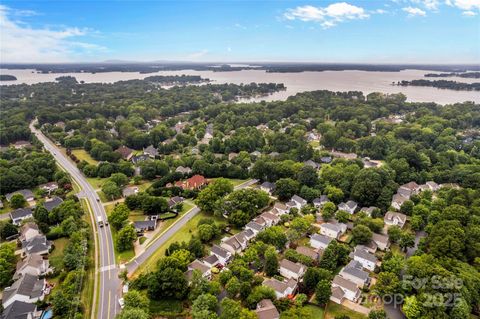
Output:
(364, 81)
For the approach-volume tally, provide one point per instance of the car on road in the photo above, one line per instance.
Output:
(121, 302)
(100, 221)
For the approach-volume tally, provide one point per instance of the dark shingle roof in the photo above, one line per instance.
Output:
(20, 213)
(51, 204)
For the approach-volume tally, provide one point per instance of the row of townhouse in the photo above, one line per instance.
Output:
(405, 191)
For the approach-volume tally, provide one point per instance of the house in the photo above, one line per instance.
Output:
(256, 153)
(268, 187)
(234, 244)
(280, 209)
(430, 186)
(320, 201)
(394, 218)
(333, 230)
(20, 310)
(125, 152)
(312, 136)
(320, 241)
(368, 163)
(28, 231)
(248, 234)
(398, 200)
(52, 203)
(179, 127)
(175, 200)
(326, 159)
(195, 182)
(49, 187)
(150, 151)
(354, 272)
(254, 227)
(368, 210)
(309, 252)
(282, 288)
(201, 267)
(312, 164)
(20, 214)
(21, 144)
(267, 310)
(348, 207)
(210, 261)
(38, 245)
(232, 156)
(410, 187)
(137, 159)
(26, 193)
(299, 202)
(289, 269)
(145, 225)
(27, 288)
(184, 170)
(269, 218)
(381, 241)
(129, 191)
(222, 254)
(274, 154)
(344, 289)
(348, 156)
(34, 265)
(368, 260)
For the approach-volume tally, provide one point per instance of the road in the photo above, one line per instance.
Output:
(133, 265)
(110, 284)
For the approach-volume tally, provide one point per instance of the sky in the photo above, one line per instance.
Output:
(368, 31)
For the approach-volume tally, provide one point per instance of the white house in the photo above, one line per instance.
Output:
(204, 269)
(299, 202)
(289, 269)
(280, 209)
(222, 254)
(34, 265)
(344, 289)
(234, 244)
(381, 241)
(348, 207)
(365, 258)
(26, 193)
(395, 219)
(333, 230)
(353, 271)
(282, 288)
(269, 218)
(20, 214)
(27, 288)
(49, 187)
(320, 241)
(255, 227)
(320, 201)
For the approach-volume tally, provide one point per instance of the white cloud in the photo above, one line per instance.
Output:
(380, 11)
(469, 13)
(466, 4)
(414, 11)
(21, 43)
(327, 16)
(197, 55)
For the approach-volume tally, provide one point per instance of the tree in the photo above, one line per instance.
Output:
(204, 307)
(273, 236)
(206, 232)
(119, 178)
(377, 314)
(335, 194)
(328, 211)
(323, 292)
(387, 284)
(134, 313)
(111, 190)
(208, 197)
(232, 309)
(313, 275)
(412, 307)
(307, 176)
(134, 299)
(126, 237)
(271, 262)
(342, 216)
(167, 282)
(232, 287)
(285, 188)
(119, 216)
(361, 234)
(259, 293)
(152, 205)
(407, 239)
(195, 247)
(394, 233)
(7, 229)
(18, 201)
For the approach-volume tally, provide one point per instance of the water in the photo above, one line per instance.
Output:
(364, 81)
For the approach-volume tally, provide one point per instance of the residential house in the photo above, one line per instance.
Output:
(21, 144)
(282, 289)
(354, 272)
(269, 218)
(175, 200)
(248, 234)
(28, 231)
(267, 310)
(20, 310)
(381, 241)
(348, 207)
(26, 193)
(210, 261)
(199, 266)
(348, 156)
(38, 245)
(129, 191)
(179, 127)
(409, 188)
(254, 227)
(280, 209)
(326, 159)
(52, 203)
(368, 260)
(256, 154)
(333, 230)
(368, 210)
(125, 152)
(145, 225)
(184, 170)
(344, 289)
(232, 156)
(49, 187)
(430, 186)
(395, 219)
(137, 159)
(234, 244)
(320, 201)
(274, 154)
(34, 265)
(312, 164)
(20, 214)
(398, 200)
(195, 182)
(309, 252)
(289, 269)
(151, 151)
(299, 202)
(268, 187)
(27, 288)
(320, 241)
(368, 163)
(222, 254)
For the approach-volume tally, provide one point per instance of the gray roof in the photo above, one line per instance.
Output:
(151, 150)
(379, 238)
(21, 213)
(51, 204)
(254, 225)
(198, 265)
(364, 254)
(27, 285)
(307, 251)
(212, 259)
(321, 199)
(268, 185)
(355, 269)
(290, 265)
(298, 199)
(26, 193)
(18, 310)
(344, 283)
(219, 251)
(322, 239)
(145, 224)
(37, 244)
(129, 191)
(267, 310)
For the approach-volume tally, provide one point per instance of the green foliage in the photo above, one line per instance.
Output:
(323, 292)
(126, 237)
(271, 262)
(119, 216)
(208, 198)
(361, 234)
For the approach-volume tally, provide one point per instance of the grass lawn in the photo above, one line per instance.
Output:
(157, 307)
(124, 256)
(96, 182)
(81, 154)
(183, 234)
(56, 256)
(103, 197)
(334, 310)
(89, 282)
(315, 311)
(235, 182)
(187, 205)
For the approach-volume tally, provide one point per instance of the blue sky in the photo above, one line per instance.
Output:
(390, 31)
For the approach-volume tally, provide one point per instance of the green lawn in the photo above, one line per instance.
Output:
(334, 310)
(124, 256)
(235, 182)
(81, 154)
(315, 311)
(96, 182)
(56, 256)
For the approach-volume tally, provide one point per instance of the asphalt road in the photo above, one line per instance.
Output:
(110, 284)
(136, 262)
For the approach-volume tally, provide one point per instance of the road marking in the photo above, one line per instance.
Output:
(105, 268)
(108, 308)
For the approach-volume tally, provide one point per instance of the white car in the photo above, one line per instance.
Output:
(125, 288)
(121, 302)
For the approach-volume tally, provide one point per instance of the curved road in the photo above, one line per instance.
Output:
(110, 284)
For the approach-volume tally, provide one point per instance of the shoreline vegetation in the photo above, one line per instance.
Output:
(442, 84)
(7, 77)
(467, 75)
